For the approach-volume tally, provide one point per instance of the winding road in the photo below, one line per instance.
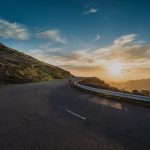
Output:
(55, 116)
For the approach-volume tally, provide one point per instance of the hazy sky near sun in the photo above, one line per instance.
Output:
(83, 36)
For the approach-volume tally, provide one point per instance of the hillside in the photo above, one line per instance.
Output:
(98, 83)
(17, 67)
(143, 84)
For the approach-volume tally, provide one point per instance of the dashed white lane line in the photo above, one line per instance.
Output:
(67, 110)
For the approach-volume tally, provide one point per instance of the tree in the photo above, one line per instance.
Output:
(136, 92)
(145, 93)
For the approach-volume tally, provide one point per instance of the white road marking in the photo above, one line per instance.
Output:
(75, 114)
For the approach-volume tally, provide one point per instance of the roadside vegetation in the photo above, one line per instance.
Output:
(97, 83)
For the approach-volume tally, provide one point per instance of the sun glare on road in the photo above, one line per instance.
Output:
(115, 68)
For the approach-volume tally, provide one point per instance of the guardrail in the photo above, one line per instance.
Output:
(113, 93)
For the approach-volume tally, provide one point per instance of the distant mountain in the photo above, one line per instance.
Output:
(17, 67)
(97, 83)
(143, 84)
(139, 87)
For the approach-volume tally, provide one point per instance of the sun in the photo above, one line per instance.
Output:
(115, 68)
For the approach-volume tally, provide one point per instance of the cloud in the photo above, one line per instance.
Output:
(91, 11)
(57, 56)
(78, 57)
(125, 40)
(48, 48)
(53, 35)
(13, 30)
(123, 49)
(83, 68)
(146, 70)
(20, 32)
(97, 37)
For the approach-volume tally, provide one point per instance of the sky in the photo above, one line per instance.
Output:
(108, 39)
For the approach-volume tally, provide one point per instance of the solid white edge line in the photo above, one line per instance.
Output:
(75, 114)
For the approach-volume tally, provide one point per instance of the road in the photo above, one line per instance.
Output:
(55, 116)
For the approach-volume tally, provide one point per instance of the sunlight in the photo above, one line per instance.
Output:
(115, 68)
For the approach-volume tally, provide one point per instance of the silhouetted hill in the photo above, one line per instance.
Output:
(98, 83)
(143, 84)
(17, 67)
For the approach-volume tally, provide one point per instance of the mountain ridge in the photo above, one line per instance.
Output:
(140, 84)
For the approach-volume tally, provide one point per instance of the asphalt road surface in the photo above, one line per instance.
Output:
(55, 116)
